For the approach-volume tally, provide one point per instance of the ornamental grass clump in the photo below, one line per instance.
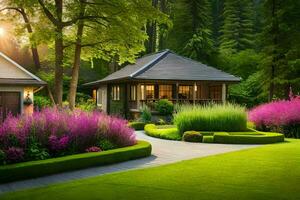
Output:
(214, 117)
(56, 132)
(280, 116)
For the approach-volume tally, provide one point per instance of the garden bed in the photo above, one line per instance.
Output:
(250, 136)
(39, 168)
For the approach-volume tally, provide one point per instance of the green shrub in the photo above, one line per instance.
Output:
(145, 114)
(105, 144)
(35, 152)
(164, 107)
(2, 157)
(164, 132)
(215, 117)
(87, 105)
(38, 168)
(41, 102)
(192, 136)
(137, 125)
(247, 137)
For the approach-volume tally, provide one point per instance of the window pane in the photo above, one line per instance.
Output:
(165, 91)
(149, 91)
(143, 92)
(132, 92)
(185, 92)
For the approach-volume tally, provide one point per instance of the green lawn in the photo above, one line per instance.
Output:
(267, 172)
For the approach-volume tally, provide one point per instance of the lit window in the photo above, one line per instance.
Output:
(215, 92)
(115, 93)
(132, 92)
(147, 91)
(165, 91)
(185, 92)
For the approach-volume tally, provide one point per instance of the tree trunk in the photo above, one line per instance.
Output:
(76, 64)
(275, 41)
(35, 54)
(151, 32)
(58, 87)
(59, 55)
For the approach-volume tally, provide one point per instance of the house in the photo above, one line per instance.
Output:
(17, 86)
(163, 75)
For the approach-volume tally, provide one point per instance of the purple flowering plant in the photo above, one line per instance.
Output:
(278, 115)
(62, 132)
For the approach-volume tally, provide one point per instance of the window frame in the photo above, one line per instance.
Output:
(115, 93)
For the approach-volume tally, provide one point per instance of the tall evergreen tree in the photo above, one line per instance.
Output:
(199, 46)
(238, 27)
(281, 35)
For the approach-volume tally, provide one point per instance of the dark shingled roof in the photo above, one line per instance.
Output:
(166, 65)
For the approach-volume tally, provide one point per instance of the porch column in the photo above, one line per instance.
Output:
(138, 96)
(177, 91)
(224, 93)
(194, 93)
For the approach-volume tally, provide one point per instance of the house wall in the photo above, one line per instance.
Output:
(117, 107)
(102, 97)
(28, 110)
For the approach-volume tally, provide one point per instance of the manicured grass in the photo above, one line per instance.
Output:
(168, 132)
(38, 168)
(267, 172)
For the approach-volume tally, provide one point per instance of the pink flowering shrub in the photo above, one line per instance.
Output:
(62, 132)
(283, 116)
(93, 149)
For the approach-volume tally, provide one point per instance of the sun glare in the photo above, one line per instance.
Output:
(2, 31)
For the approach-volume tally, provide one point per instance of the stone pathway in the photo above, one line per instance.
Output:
(163, 152)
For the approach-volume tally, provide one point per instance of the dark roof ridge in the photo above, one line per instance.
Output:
(150, 64)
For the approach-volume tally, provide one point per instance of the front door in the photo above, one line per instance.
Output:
(9, 104)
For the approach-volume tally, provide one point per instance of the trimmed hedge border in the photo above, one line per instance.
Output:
(247, 138)
(137, 125)
(165, 133)
(33, 169)
(251, 136)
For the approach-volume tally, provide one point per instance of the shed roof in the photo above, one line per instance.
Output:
(11, 73)
(167, 65)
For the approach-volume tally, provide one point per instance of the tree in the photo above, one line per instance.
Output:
(281, 41)
(54, 13)
(21, 7)
(238, 29)
(108, 31)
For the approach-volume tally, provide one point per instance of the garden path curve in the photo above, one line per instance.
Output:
(163, 152)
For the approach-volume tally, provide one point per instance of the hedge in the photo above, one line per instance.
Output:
(165, 133)
(247, 137)
(137, 125)
(39, 168)
(192, 136)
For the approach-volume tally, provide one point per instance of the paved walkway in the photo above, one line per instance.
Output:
(163, 152)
